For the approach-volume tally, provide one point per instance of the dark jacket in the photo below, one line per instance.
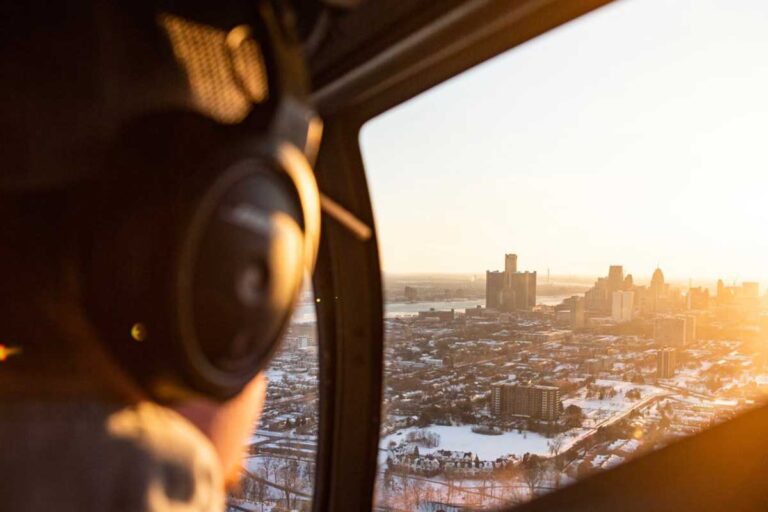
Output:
(61, 457)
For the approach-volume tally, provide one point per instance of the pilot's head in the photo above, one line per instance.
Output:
(158, 209)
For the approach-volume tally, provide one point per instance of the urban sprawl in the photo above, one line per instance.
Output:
(492, 405)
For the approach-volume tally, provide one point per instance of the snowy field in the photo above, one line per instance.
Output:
(618, 402)
(461, 438)
(599, 412)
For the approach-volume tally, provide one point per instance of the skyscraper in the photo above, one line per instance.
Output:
(657, 283)
(510, 290)
(523, 286)
(698, 298)
(622, 306)
(598, 298)
(510, 263)
(615, 278)
(494, 286)
(720, 290)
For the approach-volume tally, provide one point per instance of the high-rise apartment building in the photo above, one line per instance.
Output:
(540, 402)
(665, 363)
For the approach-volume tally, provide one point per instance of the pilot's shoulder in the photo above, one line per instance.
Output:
(91, 456)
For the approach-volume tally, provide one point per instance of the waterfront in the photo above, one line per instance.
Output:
(305, 312)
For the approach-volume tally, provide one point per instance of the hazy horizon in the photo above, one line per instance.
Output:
(580, 278)
(622, 137)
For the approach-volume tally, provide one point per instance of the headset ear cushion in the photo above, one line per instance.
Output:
(296, 166)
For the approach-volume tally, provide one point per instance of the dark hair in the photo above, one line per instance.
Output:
(34, 241)
(40, 309)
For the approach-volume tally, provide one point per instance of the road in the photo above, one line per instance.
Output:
(684, 391)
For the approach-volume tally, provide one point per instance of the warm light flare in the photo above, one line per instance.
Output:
(139, 332)
(6, 352)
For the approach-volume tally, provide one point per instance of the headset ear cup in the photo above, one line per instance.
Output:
(241, 270)
(208, 263)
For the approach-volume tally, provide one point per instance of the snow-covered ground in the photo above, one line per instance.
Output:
(600, 411)
(461, 438)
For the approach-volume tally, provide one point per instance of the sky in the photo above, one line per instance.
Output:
(635, 135)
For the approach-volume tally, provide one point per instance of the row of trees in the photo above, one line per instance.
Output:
(285, 479)
(425, 438)
(535, 475)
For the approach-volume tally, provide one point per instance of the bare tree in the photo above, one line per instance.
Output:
(473, 498)
(552, 473)
(270, 468)
(288, 476)
(412, 493)
(450, 491)
(486, 488)
(380, 492)
(430, 493)
(259, 490)
(309, 477)
(555, 445)
(402, 494)
(533, 473)
(506, 481)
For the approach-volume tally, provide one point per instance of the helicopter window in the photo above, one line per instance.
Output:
(573, 268)
(279, 470)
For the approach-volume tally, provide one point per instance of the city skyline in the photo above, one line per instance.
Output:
(658, 161)
(585, 279)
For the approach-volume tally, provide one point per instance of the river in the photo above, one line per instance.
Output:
(305, 312)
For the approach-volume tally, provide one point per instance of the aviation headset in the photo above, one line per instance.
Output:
(193, 239)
